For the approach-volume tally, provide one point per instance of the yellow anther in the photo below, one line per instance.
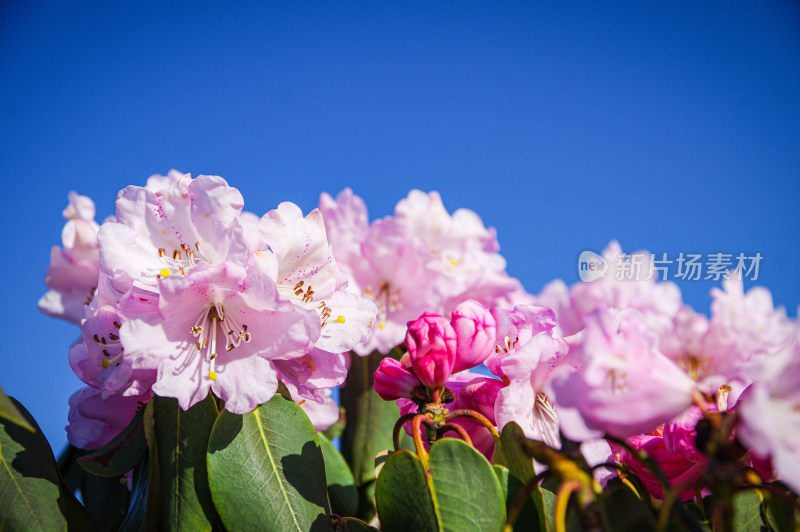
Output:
(164, 273)
(105, 363)
(212, 375)
(340, 319)
(381, 326)
(454, 262)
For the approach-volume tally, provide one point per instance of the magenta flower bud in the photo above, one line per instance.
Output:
(431, 343)
(393, 380)
(476, 331)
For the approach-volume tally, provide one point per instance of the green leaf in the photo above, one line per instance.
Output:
(370, 419)
(467, 491)
(266, 471)
(747, 511)
(403, 496)
(121, 454)
(511, 454)
(351, 524)
(461, 491)
(106, 499)
(528, 518)
(31, 493)
(368, 428)
(9, 411)
(182, 439)
(780, 513)
(342, 490)
(626, 512)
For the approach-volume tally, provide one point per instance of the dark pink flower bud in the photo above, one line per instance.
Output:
(431, 343)
(476, 331)
(393, 380)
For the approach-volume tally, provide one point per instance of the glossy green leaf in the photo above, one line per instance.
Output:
(342, 490)
(266, 471)
(121, 454)
(747, 511)
(182, 439)
(528, 517)
(403, 495)
(10, 412)
(32, 496)
(461, 491)
(782, 516)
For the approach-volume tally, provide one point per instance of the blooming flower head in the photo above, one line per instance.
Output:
(625, 385)
(169, 232)
(218, 328)
(74, 267)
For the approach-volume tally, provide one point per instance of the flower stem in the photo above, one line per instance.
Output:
(562, 500)
(398, 427)
(474, 415)
(415, 429)
(459, 429)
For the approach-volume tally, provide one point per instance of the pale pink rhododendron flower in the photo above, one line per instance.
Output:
(770, 412)
(421, 259)
(217, 328)
(74, 267)
(624, 386)
(171, 231)
(94, 420)
(307, 275)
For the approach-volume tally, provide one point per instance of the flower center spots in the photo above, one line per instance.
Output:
(387, 298)
(617, 381)
(212, 329)
(507, 346)
(180, 260)
(108, 344)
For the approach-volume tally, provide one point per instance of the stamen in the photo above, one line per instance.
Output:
(164, 273)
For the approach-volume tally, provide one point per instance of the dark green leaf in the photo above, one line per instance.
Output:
(626, 512)
(351, 524)
(121, 454)
(266, 471)
(106, 499)
(342, 490)
(30, 487)
(403, 496)
(370, 419)
(511, 455)
(780, 513)
(182, 439)
(528, 517)
(10, 412)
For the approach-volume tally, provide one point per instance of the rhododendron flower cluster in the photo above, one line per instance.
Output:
(184, 295)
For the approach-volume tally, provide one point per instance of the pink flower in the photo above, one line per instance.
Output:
(431, 343)
(218, 327)
(95, 421)
(677, 466)
(625, 386)
(169, 232)
(770, 412)
(74, 267)
(475, 329)
(393, 380)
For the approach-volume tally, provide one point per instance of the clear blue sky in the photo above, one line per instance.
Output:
(668, 126)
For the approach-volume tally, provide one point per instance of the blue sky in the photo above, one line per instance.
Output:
(673, 127)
